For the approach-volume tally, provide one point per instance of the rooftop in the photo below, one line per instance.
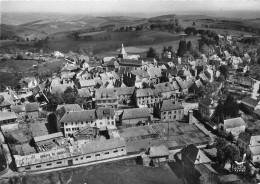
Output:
(7, 115)
(135, 113)
(78, 116)
(47, 137)
(168, 105)
(233, 123)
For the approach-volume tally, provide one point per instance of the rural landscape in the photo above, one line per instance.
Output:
(130, 92)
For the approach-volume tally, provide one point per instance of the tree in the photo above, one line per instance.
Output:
(189, 46)
(151, 53)
(70, 95)
(230, 137)
(182, 48)
(220, 143)
(224, 70)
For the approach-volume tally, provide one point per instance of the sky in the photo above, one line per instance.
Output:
(126, 6)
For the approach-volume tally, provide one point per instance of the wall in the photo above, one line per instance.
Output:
(169, 115)
(76, 160)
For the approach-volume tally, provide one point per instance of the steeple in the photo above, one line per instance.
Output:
(122, 53)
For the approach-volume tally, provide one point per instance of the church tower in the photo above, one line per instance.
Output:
(122, 53)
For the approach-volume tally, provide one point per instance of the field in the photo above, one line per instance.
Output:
(145, 37)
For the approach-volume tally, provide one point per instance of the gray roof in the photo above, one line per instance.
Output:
(234, 122)
(7, 115)
(31, 107)
(47, 137)
(105, 93)
(135, 113)
(147, 92)
(87, 83)
(18, 108)
(164, 87)
(69, 107)
(77, 116)
(244, 136)
(250, 101)
(105, 112)
(84, 92)
(125, 91)
(168, 105)
(104, 145)
(159, 151)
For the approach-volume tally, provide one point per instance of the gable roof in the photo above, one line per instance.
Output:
(125, 90)
(135, 113)
(140, 73)
(47, 137)
(77, 116)
(181, 83)
(130, 62)
(31, 107)
(233, 123)
(84, 92)
(105, 93)
(164, 87)
(168, 105)
(18, 108)
(69, 107)
(159, 151)
(194, 155)
(7, 115)
(245, 137)
(147, 92)
(105, 112)
(87, 83)
(206, 101)
(250, 102)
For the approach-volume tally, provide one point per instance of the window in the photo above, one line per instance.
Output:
(108, 118)
(76, 159)
(88, 156)
(122, 149)
(112, 122)
(97, 155)
(81, 158)
(59, 162)
(82, 122)
(27, 168)
(174, 117)
(106, 153)
(49, 164)
(72, 123)
(170, 112)
(38, 166)
(100, 123)
(115, 151)
(66, 124)
(108, 123)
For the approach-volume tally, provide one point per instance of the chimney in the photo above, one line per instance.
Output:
(190, 113)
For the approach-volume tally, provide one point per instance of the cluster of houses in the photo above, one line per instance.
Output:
(135, 107)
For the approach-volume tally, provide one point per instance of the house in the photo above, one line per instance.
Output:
(125, 95)
(90, 84)
(69, 68)
(131, 117)
(167, 90)
(106, 97)
(73, 121)
(182, 84)
(147, 97)
(105, 118)
(32, 110)
(8, 121)
(207, 107)
(159, 155)
(136, 78)
(234, 125)
(19, 110)
(155, 74)
(249, 144)
(191, 157)
(169, 110)
(76, 154)
(250, 103)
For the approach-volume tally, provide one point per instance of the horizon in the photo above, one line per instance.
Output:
(144, 7)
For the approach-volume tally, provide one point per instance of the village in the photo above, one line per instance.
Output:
(200, 114)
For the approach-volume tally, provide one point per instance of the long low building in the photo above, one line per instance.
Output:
(89, 151)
